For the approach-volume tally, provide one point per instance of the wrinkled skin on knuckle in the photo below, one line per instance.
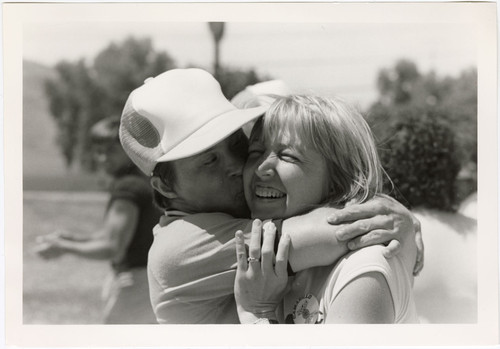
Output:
(387, 221)
(376, 235)
(364, 226)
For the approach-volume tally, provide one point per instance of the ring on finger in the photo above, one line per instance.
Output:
(252, 259)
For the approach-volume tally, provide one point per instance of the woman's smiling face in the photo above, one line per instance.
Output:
(282, 179)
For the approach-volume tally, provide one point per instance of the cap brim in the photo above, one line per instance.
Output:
(213, 132)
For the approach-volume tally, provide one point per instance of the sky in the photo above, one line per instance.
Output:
(321, 58)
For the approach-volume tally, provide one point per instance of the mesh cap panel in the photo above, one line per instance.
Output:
(140, 139)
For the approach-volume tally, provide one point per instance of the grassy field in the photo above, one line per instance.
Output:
(66, 290)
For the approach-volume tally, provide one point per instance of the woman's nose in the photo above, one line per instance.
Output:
(266, 167)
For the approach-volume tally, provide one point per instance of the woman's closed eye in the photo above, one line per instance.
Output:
(289, 156)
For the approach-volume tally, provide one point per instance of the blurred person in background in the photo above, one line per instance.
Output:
(422, 159)
(179, 129)
(125, 236)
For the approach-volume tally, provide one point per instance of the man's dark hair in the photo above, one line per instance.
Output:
(422, 160)
(165, 171)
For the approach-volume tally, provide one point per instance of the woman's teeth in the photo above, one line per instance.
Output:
(267, 193)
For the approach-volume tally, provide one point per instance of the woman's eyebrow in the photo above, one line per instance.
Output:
(289, 145)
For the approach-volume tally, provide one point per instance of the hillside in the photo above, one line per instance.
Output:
(43, 166)
(40, 153)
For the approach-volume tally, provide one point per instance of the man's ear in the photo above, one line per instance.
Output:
(163, 188)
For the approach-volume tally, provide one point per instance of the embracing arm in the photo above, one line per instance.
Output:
(313, 241)
(325, 234)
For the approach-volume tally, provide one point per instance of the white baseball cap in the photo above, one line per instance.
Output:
(262, 93)
(178, 114)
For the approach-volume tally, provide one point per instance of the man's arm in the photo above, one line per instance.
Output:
(322, 236)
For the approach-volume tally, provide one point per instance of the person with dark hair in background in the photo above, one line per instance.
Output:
(125, 236)
(423, 160)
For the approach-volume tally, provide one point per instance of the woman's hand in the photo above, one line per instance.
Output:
(380, 220)
(262, 278)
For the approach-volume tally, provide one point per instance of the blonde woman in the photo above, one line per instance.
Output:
(307, 152)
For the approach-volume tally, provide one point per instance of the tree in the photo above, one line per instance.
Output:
(234, 80)
(217, 31)
(422, 160)
(397, 84)
(74, 101)
(82, 95)
(404, 91)
(120, 68)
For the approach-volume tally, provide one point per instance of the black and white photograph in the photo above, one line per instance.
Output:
(215, 164)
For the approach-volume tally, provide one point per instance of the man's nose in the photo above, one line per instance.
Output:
(235, 165)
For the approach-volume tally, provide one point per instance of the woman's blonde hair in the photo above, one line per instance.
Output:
(339, 133)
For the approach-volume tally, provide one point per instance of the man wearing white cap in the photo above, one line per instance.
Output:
(179, 129)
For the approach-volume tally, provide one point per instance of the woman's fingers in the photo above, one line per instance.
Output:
(261, 257)
(241, 253)
(282, 256)
(267, 253)
(255, 238)
(254, 249)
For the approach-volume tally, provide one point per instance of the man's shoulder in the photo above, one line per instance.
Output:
(197, 221)
(193, 247)
(190, 234)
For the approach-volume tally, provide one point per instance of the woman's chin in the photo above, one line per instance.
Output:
(265, 214)
(263, 217)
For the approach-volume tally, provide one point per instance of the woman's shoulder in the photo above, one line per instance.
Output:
(365, 262)
(356, 263)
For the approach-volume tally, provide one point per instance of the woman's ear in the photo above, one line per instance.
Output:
(162, 188)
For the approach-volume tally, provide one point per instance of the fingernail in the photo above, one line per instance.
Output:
(269, 226)
(351, 245)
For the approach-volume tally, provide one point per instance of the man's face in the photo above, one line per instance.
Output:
(212, 181)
